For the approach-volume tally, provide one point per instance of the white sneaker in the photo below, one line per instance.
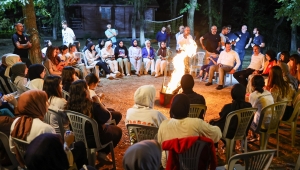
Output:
(128, 74)
(116, 72)
(156, 75)
(113, 75)
(153, 73)
(108, 76)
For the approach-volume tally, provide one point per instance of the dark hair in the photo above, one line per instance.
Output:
(89, 46)
(51, 86)
(227, 43)
(67, 77)
(64, 22)
(229, 26)
(180, 106)
(295, 59)
(286, 56)
(62, 48)
(35, 70)
(46, 42)
(72, 45)
(256, 46)
(224, 27)
(17, 23)
(271, 54)
(49, 55)
(257, 29)
(276, 79)
(91, 78)
(77, 100)
(258, 83)
(238, 92)
(88, 41)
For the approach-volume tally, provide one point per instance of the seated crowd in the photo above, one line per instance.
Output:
(264, 83)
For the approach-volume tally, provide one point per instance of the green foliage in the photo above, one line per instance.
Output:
(290, 10)
(188, 6)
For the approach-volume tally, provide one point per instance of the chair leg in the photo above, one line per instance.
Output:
(229, 147)
(91, 156)
(293, 132)
(277, 145)
(113, 155)
(245, 144)
(263, 141)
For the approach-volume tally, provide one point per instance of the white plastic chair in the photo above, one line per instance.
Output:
(197, 62)
(78, 122)
(47, 118)
(21, 146)
(141, 132)
(12, 157)
(5, 85)
(196, 110)
(87, 66)
(65, 94)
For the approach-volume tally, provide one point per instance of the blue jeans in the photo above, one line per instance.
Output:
(6, 112)
(168, 41)
(241, 53)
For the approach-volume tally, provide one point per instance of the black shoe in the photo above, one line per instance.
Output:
(219, 87)
(208, 84)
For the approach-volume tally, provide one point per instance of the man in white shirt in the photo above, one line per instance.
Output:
(223, 37)
(67, 33)
(181, 28)
(256, 65)
(226, 62)
(111, 34)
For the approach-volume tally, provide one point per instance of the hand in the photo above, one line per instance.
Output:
(11, 99)
(29, 45)
(247, 46)
(125, 56)
(255, 72)
(232, 71)
(69, 138)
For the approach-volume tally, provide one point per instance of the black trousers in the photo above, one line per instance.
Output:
(103, 65)
(110, 133)
(79, 154)
(242, 76)
(115, 115)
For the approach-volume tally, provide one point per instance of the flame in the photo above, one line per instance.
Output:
(179, 67)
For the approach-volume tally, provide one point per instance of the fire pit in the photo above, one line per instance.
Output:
(165, 99)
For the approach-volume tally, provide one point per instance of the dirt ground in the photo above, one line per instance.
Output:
(119, 95)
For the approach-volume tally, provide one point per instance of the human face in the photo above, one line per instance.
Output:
(42, 75)
(108, 26)
(102, 42)
(74, 76)
(65, 51)
(26, 71)
(73, 49)
(214, 30)
(49, 43)
(181, 29)
(121, 44)
(19, 27)
(227, 47)
(163, 44)
(255, 50)
(244, 29)
(148, 44)
(47, 105)
(60, 86)
(163, 29)
(93, 47)
(225, 31)
(187, 31)
(64, 26)
(268, 57)
(228, 30)
(135, 43)
(254, 31)
(281, 57)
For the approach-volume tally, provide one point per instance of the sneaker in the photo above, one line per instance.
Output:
(220, 87)
(113, 75)
(116, 72)
(128, 74)
(153, 73)
(252, 139)
(104, 159)
(145, 72)
(157, 75)
(208, 84)
(108, 76)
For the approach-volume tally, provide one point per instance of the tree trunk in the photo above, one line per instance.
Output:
(221, 13)
(209, 15)
(35, 54)
(142, 31)
(133, 20)
(62, 10)
(294, 38)
(174, 12)
(191, 12)
(54, 33)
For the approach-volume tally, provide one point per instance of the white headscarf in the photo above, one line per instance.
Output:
(144, 96)
(10, 60)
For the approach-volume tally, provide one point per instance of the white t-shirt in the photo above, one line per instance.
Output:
(56, 103)
(109, 33)
(67, 36)
(36, 84)
(38, 127)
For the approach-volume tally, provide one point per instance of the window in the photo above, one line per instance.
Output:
(105, 12)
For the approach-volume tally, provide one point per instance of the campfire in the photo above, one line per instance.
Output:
(168, 92)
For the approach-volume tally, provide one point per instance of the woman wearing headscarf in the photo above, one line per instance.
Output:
(143, 111)
(46, 152)
(180, 125)
(148, 55)
(144, 155)
(121, 54)
(99, 46)
(238, 93)
(18, 77)
(107, 54)
(163, 53)
(135, 55)
(10, 60)
(36, 75)
(3, 67)
(32, 106)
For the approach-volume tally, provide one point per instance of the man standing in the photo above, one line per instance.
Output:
(225, 64)
(213, 41)
(111, 34)
(169, 32)
(161, 36)
(187, 45)
(181, 28)
(21, 43)
(241, 43)
(67, 33)
(258, 39)
(256, 65)
(223, 37)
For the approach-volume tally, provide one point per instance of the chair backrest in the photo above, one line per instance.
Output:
(295, 113)
(65, 94)
(272, 114)
(253, 160)
(78, 121)
(190, 158)
(86, 62)
(196, 109)
(297, 167)
(12, 157)
(141, 132)
(5, 85)
(244, 116)
(200, 58)
(21, 146)
(12, 85)
(47, 71)
(296, 97)
(58, 114)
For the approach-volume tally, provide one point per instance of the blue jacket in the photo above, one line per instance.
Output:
(160, 37)
(145, 52)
